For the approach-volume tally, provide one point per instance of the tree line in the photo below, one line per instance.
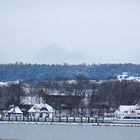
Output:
(37, 72)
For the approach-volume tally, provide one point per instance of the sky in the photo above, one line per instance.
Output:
(70, 31)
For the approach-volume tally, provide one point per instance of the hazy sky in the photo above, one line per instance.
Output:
(70, 31)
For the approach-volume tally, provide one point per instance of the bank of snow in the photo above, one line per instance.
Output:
(74, 124)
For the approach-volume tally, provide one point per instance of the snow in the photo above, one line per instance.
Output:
(28, 100)
(127, 109)
(53, 92)
(3, 83)
(71, 124)
(15, 110)
(134, 78)
(38, 107)
(71, 81)
(125, 76)
(8, 83)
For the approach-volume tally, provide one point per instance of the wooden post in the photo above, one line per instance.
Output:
(81, 119)
(74, 119)
(88, 119)
(28, 118)
(95, 119)
(16, 118)
(59, 118)
(67, 120)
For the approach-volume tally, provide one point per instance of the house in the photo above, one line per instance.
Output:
(41, 110)
(128, 109)
(15, 111)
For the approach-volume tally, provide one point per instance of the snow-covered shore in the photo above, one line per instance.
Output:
(76, 124)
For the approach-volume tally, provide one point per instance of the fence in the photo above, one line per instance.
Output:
(55, 119)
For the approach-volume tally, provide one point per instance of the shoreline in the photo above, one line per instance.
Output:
(72, 124)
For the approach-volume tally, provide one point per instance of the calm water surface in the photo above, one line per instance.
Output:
(67, 132)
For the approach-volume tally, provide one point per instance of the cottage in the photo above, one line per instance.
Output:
(15, 111)
(41, 110)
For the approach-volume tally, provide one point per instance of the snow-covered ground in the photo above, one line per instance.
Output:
(125, 76)
(76, 124)
(8, 83)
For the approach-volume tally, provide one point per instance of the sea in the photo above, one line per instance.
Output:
(67, 132)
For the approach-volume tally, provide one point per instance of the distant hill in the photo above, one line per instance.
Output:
(37, 72)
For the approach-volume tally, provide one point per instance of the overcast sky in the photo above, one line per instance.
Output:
(70, 31)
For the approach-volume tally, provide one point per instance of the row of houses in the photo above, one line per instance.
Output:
(45, 110)
(37, 110)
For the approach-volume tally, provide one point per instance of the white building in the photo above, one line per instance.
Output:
(124, 113)
(128, 109)
(41, 110)
(15, 111)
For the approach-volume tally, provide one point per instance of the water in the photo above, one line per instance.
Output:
(67, 132)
